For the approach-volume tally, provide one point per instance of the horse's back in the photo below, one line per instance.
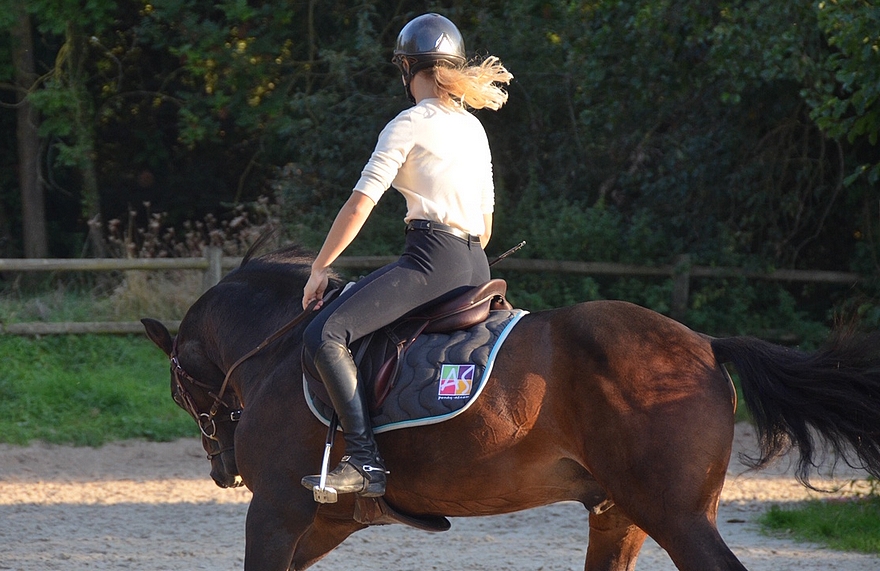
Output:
(641, 349)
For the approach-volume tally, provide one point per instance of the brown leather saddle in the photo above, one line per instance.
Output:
(378, 355)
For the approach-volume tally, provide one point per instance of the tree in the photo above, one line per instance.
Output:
(36, 244)
(846, 104)
(67, 105)
(35, 238)
(741, 132)
(61, 96)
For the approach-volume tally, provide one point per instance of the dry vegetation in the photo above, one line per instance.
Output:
(168, 294)
(130, 295)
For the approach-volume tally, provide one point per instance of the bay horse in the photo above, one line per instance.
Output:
(604, 403)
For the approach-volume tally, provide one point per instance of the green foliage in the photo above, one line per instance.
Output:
(293, 85)
(849, 525)
(740, 307)
(86, 390)
(741, 133)
(559, 229)
(546, 291)
(56, 15)
(847, 103)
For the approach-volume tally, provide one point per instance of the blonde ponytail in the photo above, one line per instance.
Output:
(475, 85)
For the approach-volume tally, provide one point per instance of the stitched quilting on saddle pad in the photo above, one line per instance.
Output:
(441, 376)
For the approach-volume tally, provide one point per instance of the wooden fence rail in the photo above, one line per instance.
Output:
(213, 264)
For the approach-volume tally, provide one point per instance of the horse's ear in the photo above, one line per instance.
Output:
(158, 334)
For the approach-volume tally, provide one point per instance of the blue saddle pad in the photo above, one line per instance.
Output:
(442, 374)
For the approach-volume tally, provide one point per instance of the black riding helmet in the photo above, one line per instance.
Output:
(424, 42)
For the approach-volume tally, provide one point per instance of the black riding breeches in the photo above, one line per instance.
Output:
(434, 265)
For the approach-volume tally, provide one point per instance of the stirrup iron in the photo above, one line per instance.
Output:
(323, 494)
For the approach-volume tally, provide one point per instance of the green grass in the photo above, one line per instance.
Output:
(848, 525)
(86, 390)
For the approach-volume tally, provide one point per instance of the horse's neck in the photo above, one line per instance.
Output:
(239, 325)
(258, 352)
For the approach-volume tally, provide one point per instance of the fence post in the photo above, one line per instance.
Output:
(681, 283)
(214, 271)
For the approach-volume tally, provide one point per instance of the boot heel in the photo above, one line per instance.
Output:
(374, 481)
(373, 492)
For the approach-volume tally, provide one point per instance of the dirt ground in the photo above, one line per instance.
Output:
(152, 506)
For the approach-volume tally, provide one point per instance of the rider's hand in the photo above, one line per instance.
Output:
(315, 288)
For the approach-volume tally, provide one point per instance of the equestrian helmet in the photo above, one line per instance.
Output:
(426, 41)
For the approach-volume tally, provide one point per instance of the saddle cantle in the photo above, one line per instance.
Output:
(378, 355)
(467, 309)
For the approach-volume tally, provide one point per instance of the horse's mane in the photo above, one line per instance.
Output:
(260, 295)
(287, 260)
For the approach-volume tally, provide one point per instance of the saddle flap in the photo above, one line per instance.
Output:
(377, 511)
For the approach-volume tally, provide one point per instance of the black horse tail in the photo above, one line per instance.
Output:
(794, 396)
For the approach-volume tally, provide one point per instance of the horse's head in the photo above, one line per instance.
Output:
(247, 305)
(200, 392)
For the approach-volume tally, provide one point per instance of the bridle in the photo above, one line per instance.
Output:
(207, 421)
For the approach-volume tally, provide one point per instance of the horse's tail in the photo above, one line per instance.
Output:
(794, 396)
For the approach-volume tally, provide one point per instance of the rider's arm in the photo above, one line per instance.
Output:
(345, 227)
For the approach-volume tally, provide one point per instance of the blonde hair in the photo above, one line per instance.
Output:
(474, 85)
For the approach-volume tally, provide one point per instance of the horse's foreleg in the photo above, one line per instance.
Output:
(287, 534)
(615, 542)
(269, 539)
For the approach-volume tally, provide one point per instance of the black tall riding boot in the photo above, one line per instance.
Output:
(361, 470)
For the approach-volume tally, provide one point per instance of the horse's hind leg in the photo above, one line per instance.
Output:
(324, 535)
(697, 546)
(676, 504)
(615, 542)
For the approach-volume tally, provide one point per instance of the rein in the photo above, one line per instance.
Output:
(284, 329)
(206, 420)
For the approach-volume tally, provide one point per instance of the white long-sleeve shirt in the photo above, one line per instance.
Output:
(438, 158)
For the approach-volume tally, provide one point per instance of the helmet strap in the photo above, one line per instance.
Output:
(406, 71)
(407, 79)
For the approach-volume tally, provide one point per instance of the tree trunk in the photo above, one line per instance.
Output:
(84, 137)
(33, 200)
(5, 236)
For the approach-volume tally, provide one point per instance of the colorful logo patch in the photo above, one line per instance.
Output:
(456, 381)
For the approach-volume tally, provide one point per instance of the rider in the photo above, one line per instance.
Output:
(437, 155)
